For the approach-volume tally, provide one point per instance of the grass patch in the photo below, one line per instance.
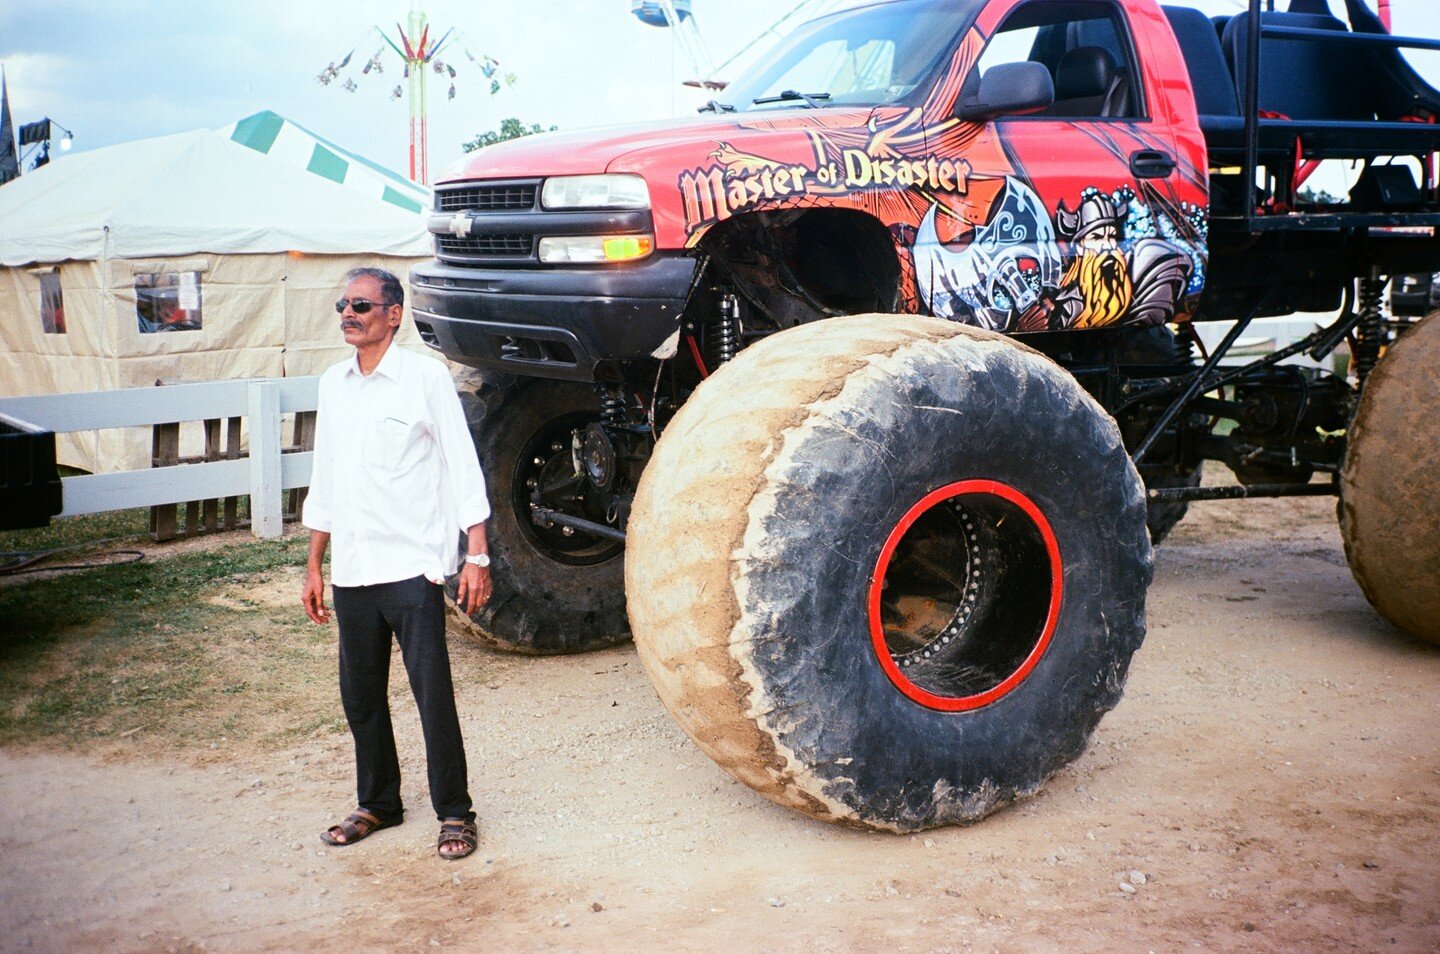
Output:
(78, 531)
(179, 651)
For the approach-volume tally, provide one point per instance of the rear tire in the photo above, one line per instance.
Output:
(889, 571)
(1389, 512)
(552, 593)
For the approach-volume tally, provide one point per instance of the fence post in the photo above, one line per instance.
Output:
(266, 519)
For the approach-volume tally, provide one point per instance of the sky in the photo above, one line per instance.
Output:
(113, 71)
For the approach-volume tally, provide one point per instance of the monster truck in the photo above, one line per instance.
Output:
(859, 399)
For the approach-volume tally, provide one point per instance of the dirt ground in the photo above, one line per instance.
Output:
(1270, 782)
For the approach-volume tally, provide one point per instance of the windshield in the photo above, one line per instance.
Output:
(868, 56)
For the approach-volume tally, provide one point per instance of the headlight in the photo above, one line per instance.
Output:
(595, 192)
(595, 248)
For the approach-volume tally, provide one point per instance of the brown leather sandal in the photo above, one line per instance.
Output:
(454, 830)
(355, 828)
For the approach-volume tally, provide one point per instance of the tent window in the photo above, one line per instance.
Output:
(52, 305)
(167, 301)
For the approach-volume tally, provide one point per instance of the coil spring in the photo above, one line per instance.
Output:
(1185, 343)
(1370, 332)
(612, 406)
(728, 329)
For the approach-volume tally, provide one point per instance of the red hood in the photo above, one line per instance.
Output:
(600, 149)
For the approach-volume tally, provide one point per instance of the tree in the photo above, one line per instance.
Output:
(511, 128)
(1310, 196)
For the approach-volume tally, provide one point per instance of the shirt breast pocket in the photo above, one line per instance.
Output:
(396, 445)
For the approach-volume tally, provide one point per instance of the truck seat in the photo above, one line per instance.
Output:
(1205, 60)
(1088, 83)
(1400, 92)
(1216, 98)
(1320, 91)
(1303, 78)
(1324, 91)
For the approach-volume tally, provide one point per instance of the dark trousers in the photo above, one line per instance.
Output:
(413, 612)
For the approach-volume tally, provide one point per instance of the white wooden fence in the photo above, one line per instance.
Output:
(264, 475)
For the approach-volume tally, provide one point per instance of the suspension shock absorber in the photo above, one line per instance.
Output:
(727, 330)
(1185, 338)
(1370, 332)
(592, 451)
(612, 406)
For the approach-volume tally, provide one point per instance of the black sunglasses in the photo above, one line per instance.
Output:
(360, 306)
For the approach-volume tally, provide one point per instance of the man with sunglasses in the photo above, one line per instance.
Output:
(395, 481)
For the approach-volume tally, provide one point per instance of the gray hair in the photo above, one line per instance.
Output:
(390, 288)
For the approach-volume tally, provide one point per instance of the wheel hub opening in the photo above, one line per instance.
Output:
(546, 476)
(965, 595)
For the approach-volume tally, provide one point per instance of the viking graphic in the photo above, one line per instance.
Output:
(1096, 289)
(1112, 278)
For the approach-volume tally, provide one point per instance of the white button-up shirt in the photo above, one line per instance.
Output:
(395, 477)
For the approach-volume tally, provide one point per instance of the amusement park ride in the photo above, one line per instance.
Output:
(420, 53)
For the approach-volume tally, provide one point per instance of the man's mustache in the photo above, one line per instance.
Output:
(347, 324)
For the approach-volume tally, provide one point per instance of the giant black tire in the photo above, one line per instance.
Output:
(553, 593)
(1389, 510)
(842, 520)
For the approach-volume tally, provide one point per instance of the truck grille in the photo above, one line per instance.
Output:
(515, 197)
(484, 245)
(500, 222)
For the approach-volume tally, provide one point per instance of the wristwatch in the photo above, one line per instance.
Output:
(478, 559)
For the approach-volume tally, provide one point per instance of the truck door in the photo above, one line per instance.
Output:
(1074, 220)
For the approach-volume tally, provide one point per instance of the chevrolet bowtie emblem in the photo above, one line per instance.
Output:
(460, 225)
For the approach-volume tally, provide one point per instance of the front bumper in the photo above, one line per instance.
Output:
(550, 322)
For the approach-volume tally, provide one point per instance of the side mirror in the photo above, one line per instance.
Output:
(1006, 90)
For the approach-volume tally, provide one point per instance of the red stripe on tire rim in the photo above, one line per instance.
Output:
(980, 499)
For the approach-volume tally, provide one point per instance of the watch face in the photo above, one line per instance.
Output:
(480, 559)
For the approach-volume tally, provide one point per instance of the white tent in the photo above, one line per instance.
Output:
(183, 258)
(279, 138)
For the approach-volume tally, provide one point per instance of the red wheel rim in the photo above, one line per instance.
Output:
(998, 498)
